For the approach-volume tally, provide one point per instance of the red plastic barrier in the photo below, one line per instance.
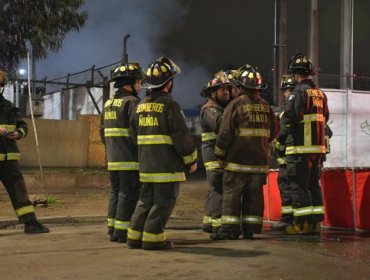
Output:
(362, 180)
(272, 198)
(337, 194)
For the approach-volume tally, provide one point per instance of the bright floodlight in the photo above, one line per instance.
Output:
(22, 71)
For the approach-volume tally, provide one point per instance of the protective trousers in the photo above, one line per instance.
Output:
(243, 203)
(304, 185)
(123, 198)
(213, 204)
(11, 177)
(286, 201)
(154, 208)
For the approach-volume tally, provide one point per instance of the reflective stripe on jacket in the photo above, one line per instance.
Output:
(11, 120)
(247, 127)
(307, 114)
(120, 148)
(164, 141)
(210, 121)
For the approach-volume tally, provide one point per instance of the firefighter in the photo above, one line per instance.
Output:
(305, 116)
(287, 85)
(121, 150)
(13, 128)
(166, 149)
(233, 89)
(242, 145)
(217, 93)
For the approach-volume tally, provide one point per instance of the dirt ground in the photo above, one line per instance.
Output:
(93, 200)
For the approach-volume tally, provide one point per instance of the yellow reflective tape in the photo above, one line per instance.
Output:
(307, 134)
(116, 132)
(207, 220)
(190, 158)
(24, 210)
(162, 177)
(252, 219)
(2, 157)
(124, 165)
(286, 209)
(22, 131)
(313, 118)
(216, 222)
(8, 127)
(219, 151)
(279, 146)
(253, 132)
(154, 139)
(121, 225)
(281, 160)
(134, 234)
(210, 165)
(247, 168)
(153, 237)
(303, 211)
(305, 150)
(318, 210)
(206, 136)
(13, 156)
(110, 222)
(230, 220)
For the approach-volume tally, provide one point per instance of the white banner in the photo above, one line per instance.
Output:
(350, 123)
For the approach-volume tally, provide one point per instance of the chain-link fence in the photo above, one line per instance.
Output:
(68, 108)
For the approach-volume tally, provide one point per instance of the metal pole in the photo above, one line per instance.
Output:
(280, 48)
(346, 44)
(313, 37)
(125, 55)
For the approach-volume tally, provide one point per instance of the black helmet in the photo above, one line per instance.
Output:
(126, 74)
(161, 71)
(248, 77)
(220, 79)
(3, 77)
(231, 75)
(287, 82)
(300, 63)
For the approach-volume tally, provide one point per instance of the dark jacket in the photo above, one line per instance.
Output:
(11, 120)
(166, 146)
(305, 117)
(210, 121)
(120, 148)
(247, 127)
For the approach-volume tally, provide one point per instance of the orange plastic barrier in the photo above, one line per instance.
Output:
(362, 201)
(346, 195)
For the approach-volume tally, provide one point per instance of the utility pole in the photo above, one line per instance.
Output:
(313, 37)
(346, 44)
(280, 48)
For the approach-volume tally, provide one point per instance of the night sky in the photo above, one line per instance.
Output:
(203, 37)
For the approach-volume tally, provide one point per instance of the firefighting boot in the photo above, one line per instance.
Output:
(224, 234)
(166, 245)
(279, 226)
(110, 230)
(298, 228)
(248, 235)
(315, 228)
(207, 228)
(119, 236)
(35, 227)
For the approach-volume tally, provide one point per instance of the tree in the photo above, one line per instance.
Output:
(39, 26)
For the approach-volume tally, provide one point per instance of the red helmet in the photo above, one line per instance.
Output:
(160, 72)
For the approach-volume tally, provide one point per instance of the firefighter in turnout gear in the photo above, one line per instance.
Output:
(287, 85)
(305, 116)
(166, 149)
(13, 128)
(121, 150)
(217, 93)
(242, 146)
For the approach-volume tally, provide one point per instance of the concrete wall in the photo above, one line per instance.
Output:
(62, 143)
